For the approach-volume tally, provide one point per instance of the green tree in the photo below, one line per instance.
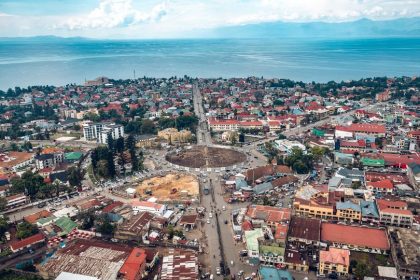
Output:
(3, 203)
(111, 165)
(119, 145)
(361, 270)
(147, 127)
(25, 229)
(29, 184)
(4, 226)
(75, 176)
(102, 169)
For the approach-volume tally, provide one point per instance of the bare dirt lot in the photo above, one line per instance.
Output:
(199, 156)
(173, 186)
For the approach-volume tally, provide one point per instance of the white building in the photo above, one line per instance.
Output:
(100, 131)
(115, 130)
(148, 206)
(287, 146)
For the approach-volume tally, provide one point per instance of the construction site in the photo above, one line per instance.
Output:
(207, 157)
(172, 187)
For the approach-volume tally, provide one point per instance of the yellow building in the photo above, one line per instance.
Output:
(334, 261)
(173, 135)
(349, 211)
(316, 207)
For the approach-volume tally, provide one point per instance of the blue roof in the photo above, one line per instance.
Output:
(271, 273)
(262, 188)
(240, 183)
(369, 209)
(348, 205)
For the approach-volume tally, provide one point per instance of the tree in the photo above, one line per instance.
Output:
(3, 203)
(241, 137)
(111, 165)
(110, 142)
(119, 145)
(29, 184)
(4, 226)
(130, 142)
(25, 229)
(75, 176)
(147, 127)
(105, 227)
(94, 157)
(317, 152)
(102, 169)
(361, 270)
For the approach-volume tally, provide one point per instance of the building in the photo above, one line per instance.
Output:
(394, 213)
(27, 243)
(71, 276)
(287, 146)
(360, 130)
(383, 186)
(148, 206)
(101, 131)
(179, 264)
(268, 215)
(304, 231)
(87, 257)
(134, 266)
(223, 125)
(357, 238)
(348, 211)
(48, 160)
(413, 174)
(370, 214)
(16, 200)
(251, 239)
(14, 161)
(272, 273)
(173, 135)
(114, 130)
(405, 249)
(334, 261)
(135, 228)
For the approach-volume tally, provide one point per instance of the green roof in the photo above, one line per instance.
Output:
(46, 220)
(66, 224)
(251, 237)
(373, 162)
(272, 250)
(73, 155)
(318, 132)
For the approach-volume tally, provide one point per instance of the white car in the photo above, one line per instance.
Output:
(218, 270)
(224, 208)
(210, 215)
(208, 221)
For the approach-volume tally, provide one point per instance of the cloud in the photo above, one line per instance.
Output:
(116, 13)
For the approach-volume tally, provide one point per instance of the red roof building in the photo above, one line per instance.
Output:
(394, 213)
(355, 238)
(383, 186)
(17, 246)
(134, 266)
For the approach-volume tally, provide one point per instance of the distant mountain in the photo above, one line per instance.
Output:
(47, 38)
(404, 27)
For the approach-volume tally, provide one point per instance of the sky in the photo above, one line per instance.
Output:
(180, 18)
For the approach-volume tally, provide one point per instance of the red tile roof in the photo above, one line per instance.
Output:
(36, 216)
(353, 235)
(384, 184)
(398, 207)
(17, 245)
(133, 265)
(335, 256)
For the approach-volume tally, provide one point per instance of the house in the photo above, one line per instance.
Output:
(134, 266)
(26, 243)
(383, 186)
(251, 239)
(334, 261)
(148, 206)
(370, 214)
(14, 161)
(394, 213)
(188, 221)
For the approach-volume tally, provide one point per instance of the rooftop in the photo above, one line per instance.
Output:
(180, 264)
(304, 228)
(335, 256)
(354, 235)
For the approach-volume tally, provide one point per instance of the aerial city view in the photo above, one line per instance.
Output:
(236, 139)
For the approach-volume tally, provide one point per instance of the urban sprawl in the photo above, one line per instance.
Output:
(187, 178)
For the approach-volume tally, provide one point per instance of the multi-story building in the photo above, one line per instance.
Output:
(114, 130)
(348, 211)
(334, 261)
(394, 213)
(101, 131)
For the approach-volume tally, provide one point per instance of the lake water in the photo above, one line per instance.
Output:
(60, 62)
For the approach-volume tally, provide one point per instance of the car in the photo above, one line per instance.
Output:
(42, 205)
(210, 215)
(240, 273)
(226, 222)
(208, 221)
(218, 270)
(224, 208)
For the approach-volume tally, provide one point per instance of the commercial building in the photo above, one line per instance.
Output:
(147, 206)
(394, 213)
(287, 146)
(348, 211)
(179, 264)
(334, 261)
(26, 243)
(16, 200)
(87, 257)
(134, 266)
(357, 238)
(14, 161)
(304, 231)
(251, 239)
